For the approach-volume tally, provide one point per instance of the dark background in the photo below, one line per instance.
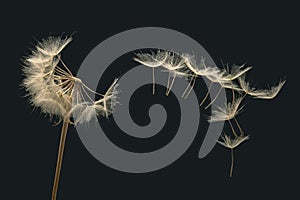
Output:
(264, 36)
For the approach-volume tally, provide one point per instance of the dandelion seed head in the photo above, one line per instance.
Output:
(51, 86)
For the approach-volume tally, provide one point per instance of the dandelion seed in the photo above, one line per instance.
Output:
(224, 79)
(191, 65)
(214, 74)
(231, 144)
(260, 93)
(235, 72)
(38, 58)
(175, 66)
(185, 65)
(106, 105)
(84, 112)
(152, 60)
(229, 111)
(53, 46)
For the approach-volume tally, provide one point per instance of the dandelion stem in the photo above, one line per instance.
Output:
(61, 147)
(232, 162)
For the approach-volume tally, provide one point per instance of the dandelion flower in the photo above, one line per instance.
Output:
(52, 87)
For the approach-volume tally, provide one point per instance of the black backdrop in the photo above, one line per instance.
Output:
(263, 36)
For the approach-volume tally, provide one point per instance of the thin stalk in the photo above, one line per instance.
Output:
(171, 85)
(61, 147)
(207, 93)
(168, 83)
(66, 67)
(153, 81)
(191, 88)
(212, 101)
(240, 128)
(233, 131)
(186, 89)
(232, 163)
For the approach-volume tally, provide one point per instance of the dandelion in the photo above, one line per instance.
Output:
(231, 144)
(52, 87)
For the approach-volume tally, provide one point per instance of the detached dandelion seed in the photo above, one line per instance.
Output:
(175, 66)
(170, 61)
(52, 87)
(185, 65)
(215, 75)
(153, 61)
(235, 72)
(191, 65)
(260, 93)
(229, 111)
(231, 144)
